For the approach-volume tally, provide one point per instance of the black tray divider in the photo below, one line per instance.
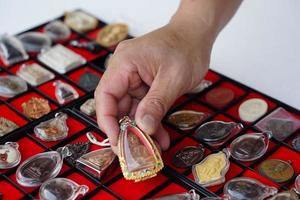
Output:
(188, 182)
(98, 189)
(64, 174)
(16, 186)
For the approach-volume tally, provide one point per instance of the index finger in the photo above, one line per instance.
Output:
(112, 87)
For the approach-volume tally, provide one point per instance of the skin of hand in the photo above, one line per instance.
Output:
(147, 74)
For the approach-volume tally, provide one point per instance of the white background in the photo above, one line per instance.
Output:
(260, 47)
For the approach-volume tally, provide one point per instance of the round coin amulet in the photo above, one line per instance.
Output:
(250, 147)
(61, 189)
(252, 109)
(276, 170)
(216, 131)
(10, 156)
(219, 97)
(188, 156)
(247, 189)
(186, 119)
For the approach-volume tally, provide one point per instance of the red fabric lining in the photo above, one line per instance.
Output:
(11, 115)
(81, 180)
(75, 76)
(9, 191)
(233, 171)
(137, 190)
(172, 133)
(173, 188)
(74, 127)
(85, 53)
(49, 89)
(17, 103)
(103, 195)
(212, 76)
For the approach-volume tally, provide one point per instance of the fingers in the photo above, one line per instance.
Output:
(129, 100)
(155, 104)
(124, 106)
(107, 98)
(162, 137)
(139, 92)
(134, 105)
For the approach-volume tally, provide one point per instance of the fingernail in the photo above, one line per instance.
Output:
(148, 123)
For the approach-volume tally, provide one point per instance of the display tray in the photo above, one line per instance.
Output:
(171, 179)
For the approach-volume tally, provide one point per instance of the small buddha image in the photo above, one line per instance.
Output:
(138, 156)
(211, 168)
(102, 160)
(3, 156)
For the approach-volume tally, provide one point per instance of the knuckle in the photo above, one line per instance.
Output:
(122, 45)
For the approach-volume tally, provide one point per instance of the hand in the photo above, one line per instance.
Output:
(146, 75)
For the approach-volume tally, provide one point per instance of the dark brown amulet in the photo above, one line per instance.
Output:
(277, 170)
(219, 97)
(188, 156)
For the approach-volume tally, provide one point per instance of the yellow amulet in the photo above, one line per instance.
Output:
(212, 170)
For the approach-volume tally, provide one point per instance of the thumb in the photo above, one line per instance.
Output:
(156, 103)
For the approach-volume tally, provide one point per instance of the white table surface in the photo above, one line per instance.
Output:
(260, 47)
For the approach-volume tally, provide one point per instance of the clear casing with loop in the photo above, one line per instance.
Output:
(250, 147)
(10, 155)
(41, 167)
(53, 129)
(212, 170)
(216, 133)
(247, 189)
(280, 122)
(11, 50)
(11, 86)
(61, 188)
